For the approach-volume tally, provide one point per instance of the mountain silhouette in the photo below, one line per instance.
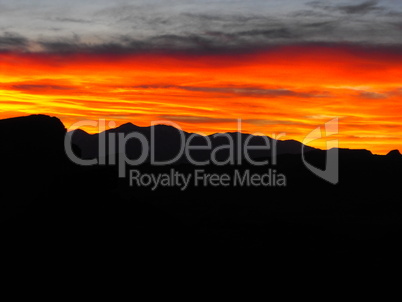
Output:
(31, 157)
(49, 204)
(394, 154)
(169, 139)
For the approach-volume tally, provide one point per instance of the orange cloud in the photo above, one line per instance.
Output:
(289, 89)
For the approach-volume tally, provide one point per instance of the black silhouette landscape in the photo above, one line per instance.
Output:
(167, 143)
(46, 200)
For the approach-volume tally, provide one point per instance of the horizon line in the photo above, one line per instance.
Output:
(190, 132)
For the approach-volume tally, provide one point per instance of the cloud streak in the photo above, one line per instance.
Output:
(289, 89)
(280, 65)
(351, 9)
(188, 26)
(12, 41)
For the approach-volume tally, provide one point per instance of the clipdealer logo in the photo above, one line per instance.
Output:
(112, 151)
(331, 171)
(202, 178)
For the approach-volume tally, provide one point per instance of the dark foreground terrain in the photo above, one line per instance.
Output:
(65, 212)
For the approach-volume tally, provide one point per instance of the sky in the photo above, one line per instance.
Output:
(280, 66)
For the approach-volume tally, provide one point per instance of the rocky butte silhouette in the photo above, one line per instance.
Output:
(49, 203)
(31, 156)
(394, 154)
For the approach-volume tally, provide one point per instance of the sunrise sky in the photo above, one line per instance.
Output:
(280, 66)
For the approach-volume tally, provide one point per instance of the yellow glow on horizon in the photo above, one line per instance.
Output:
(290, 90)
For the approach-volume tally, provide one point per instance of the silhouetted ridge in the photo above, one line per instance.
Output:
(394, 154)
(168, 141)
(36, 121)
(346, 153)
(80, 134)
(130, 127)
(23, 136)
(31, 157)
(127, 127)
(51, 206)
